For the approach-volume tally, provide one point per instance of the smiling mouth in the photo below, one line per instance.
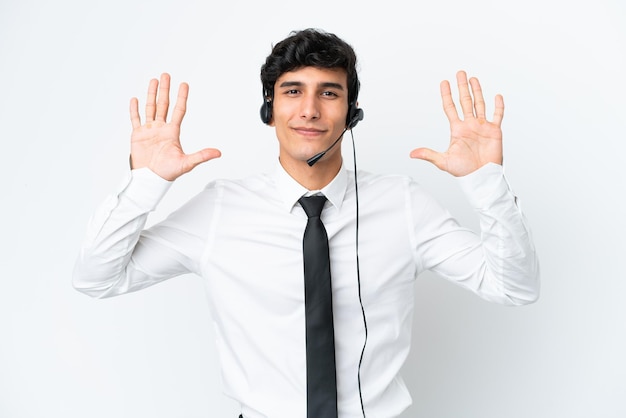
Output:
(308, 131)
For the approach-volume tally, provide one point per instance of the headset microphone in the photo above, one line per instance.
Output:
(319, 155)
(358, 115)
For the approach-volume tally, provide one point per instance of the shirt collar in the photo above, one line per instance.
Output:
(290, 190)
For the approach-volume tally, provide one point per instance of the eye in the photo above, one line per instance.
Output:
(329, 94)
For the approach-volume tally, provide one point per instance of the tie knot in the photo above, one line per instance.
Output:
(313, 205)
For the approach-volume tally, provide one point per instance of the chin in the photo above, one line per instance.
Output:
(302, 154)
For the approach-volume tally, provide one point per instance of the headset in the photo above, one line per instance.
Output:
(355, 114)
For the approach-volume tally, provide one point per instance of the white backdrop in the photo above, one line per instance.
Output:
(68, 69)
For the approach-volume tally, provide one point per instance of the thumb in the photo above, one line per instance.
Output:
(199, 157)
(429, 155)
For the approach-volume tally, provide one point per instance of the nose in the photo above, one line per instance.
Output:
(310, 109)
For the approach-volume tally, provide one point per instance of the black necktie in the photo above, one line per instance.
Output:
(320, 336)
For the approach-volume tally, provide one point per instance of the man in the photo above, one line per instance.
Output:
(244, 238)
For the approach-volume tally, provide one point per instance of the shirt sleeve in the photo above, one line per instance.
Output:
(500, 263)
(117, 256)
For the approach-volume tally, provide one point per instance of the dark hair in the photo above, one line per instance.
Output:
(310, 48)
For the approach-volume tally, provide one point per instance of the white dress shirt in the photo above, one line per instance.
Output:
(244, 239)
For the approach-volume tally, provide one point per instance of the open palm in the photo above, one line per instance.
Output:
(474, 141)
(156, 143)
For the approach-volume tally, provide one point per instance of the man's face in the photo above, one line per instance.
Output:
(309, 113)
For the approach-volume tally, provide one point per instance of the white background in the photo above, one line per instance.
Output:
(68, 69)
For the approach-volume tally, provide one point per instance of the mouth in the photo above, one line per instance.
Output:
(308, 131)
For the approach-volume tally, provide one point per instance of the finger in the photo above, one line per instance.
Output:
(479, 101)
(498, 113)
(448, 104)
(163, 103)
(181, 104)
(465, 97)
(135, 120)
(151, 99)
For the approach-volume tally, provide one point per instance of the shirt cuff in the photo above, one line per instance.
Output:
(145, 188)
(484, 186)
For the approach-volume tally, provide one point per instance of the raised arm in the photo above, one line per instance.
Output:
(500, 264)
(156, 143)
(117, 256)
(474, 141)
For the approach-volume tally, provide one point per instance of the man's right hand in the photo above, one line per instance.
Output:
(156, 143)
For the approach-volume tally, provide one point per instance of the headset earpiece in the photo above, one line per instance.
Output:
(266, 110)
(355, 114)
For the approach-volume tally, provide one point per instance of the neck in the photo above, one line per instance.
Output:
(314, 177)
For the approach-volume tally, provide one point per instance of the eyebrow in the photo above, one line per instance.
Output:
(326, 84)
